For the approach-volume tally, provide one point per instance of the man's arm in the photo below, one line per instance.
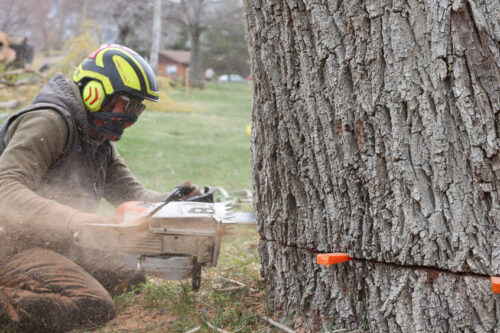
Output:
(34, 142)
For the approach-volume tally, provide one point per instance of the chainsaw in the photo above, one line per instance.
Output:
(170, 239)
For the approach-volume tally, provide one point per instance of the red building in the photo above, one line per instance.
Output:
(173, 63)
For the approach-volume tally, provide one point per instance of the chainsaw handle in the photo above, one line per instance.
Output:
(208, 196)
(177, 193)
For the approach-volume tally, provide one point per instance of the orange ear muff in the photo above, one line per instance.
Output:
(93, 95)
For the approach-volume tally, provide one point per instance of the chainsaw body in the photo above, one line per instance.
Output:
(171, 240)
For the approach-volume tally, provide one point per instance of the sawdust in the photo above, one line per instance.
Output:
(136, 317)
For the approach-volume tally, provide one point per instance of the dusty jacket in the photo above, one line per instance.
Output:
(51, 169)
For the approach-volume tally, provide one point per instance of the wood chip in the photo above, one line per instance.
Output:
(196, 329)
(278, 325)
(225, 290)
(220, 330)
(238, 283)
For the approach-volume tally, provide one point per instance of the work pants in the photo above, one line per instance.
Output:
(43, 291)
(49, 285)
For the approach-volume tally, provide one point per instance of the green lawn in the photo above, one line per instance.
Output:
(208, 145)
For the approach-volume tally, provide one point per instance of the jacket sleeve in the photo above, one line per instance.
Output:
(33, 142)
(121, 184)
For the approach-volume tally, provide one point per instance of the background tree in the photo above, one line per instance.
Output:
(224, 47)
(132, 19)
(49, 24)
(194, 15)
(46, 24)
(198, 16)
(13, 16)
(131, 23)
(376, 131)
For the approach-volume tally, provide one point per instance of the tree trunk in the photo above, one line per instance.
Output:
(155, 45)
(123, 33)
(376, 132)
(195, 70)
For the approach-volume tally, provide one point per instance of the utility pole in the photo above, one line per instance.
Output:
(155, 46)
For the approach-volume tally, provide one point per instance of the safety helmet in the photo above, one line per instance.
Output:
(112, 69)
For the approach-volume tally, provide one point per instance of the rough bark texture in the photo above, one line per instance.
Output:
(376, 131)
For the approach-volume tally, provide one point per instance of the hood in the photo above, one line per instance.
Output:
(64, 94)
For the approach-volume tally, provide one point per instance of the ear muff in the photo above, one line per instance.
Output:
(93, 95)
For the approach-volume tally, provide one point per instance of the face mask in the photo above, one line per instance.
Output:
(110, 124)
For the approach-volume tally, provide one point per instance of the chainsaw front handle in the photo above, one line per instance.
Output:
(177, 193)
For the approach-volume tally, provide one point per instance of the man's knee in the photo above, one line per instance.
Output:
(95, 311)
(112, 271)
(120, 281)
(39, 280)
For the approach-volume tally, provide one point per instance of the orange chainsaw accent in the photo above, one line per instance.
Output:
(495, 284)
(129, 207)
(332, 258)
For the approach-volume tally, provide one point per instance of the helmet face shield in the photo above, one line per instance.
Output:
(119, 70)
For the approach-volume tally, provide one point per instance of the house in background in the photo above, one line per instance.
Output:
(173, 63)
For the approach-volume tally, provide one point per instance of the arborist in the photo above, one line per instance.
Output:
(57, 161)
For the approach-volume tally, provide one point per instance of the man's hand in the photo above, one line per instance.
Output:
(84, 218)
(195, 190)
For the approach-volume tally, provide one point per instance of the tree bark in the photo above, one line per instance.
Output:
(376, 132)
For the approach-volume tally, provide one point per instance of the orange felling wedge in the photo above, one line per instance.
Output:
(332, 258)
(495, 284)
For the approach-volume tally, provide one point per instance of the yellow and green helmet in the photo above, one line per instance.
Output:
(114, 68)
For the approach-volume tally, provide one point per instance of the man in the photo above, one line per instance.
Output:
(57, 161)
